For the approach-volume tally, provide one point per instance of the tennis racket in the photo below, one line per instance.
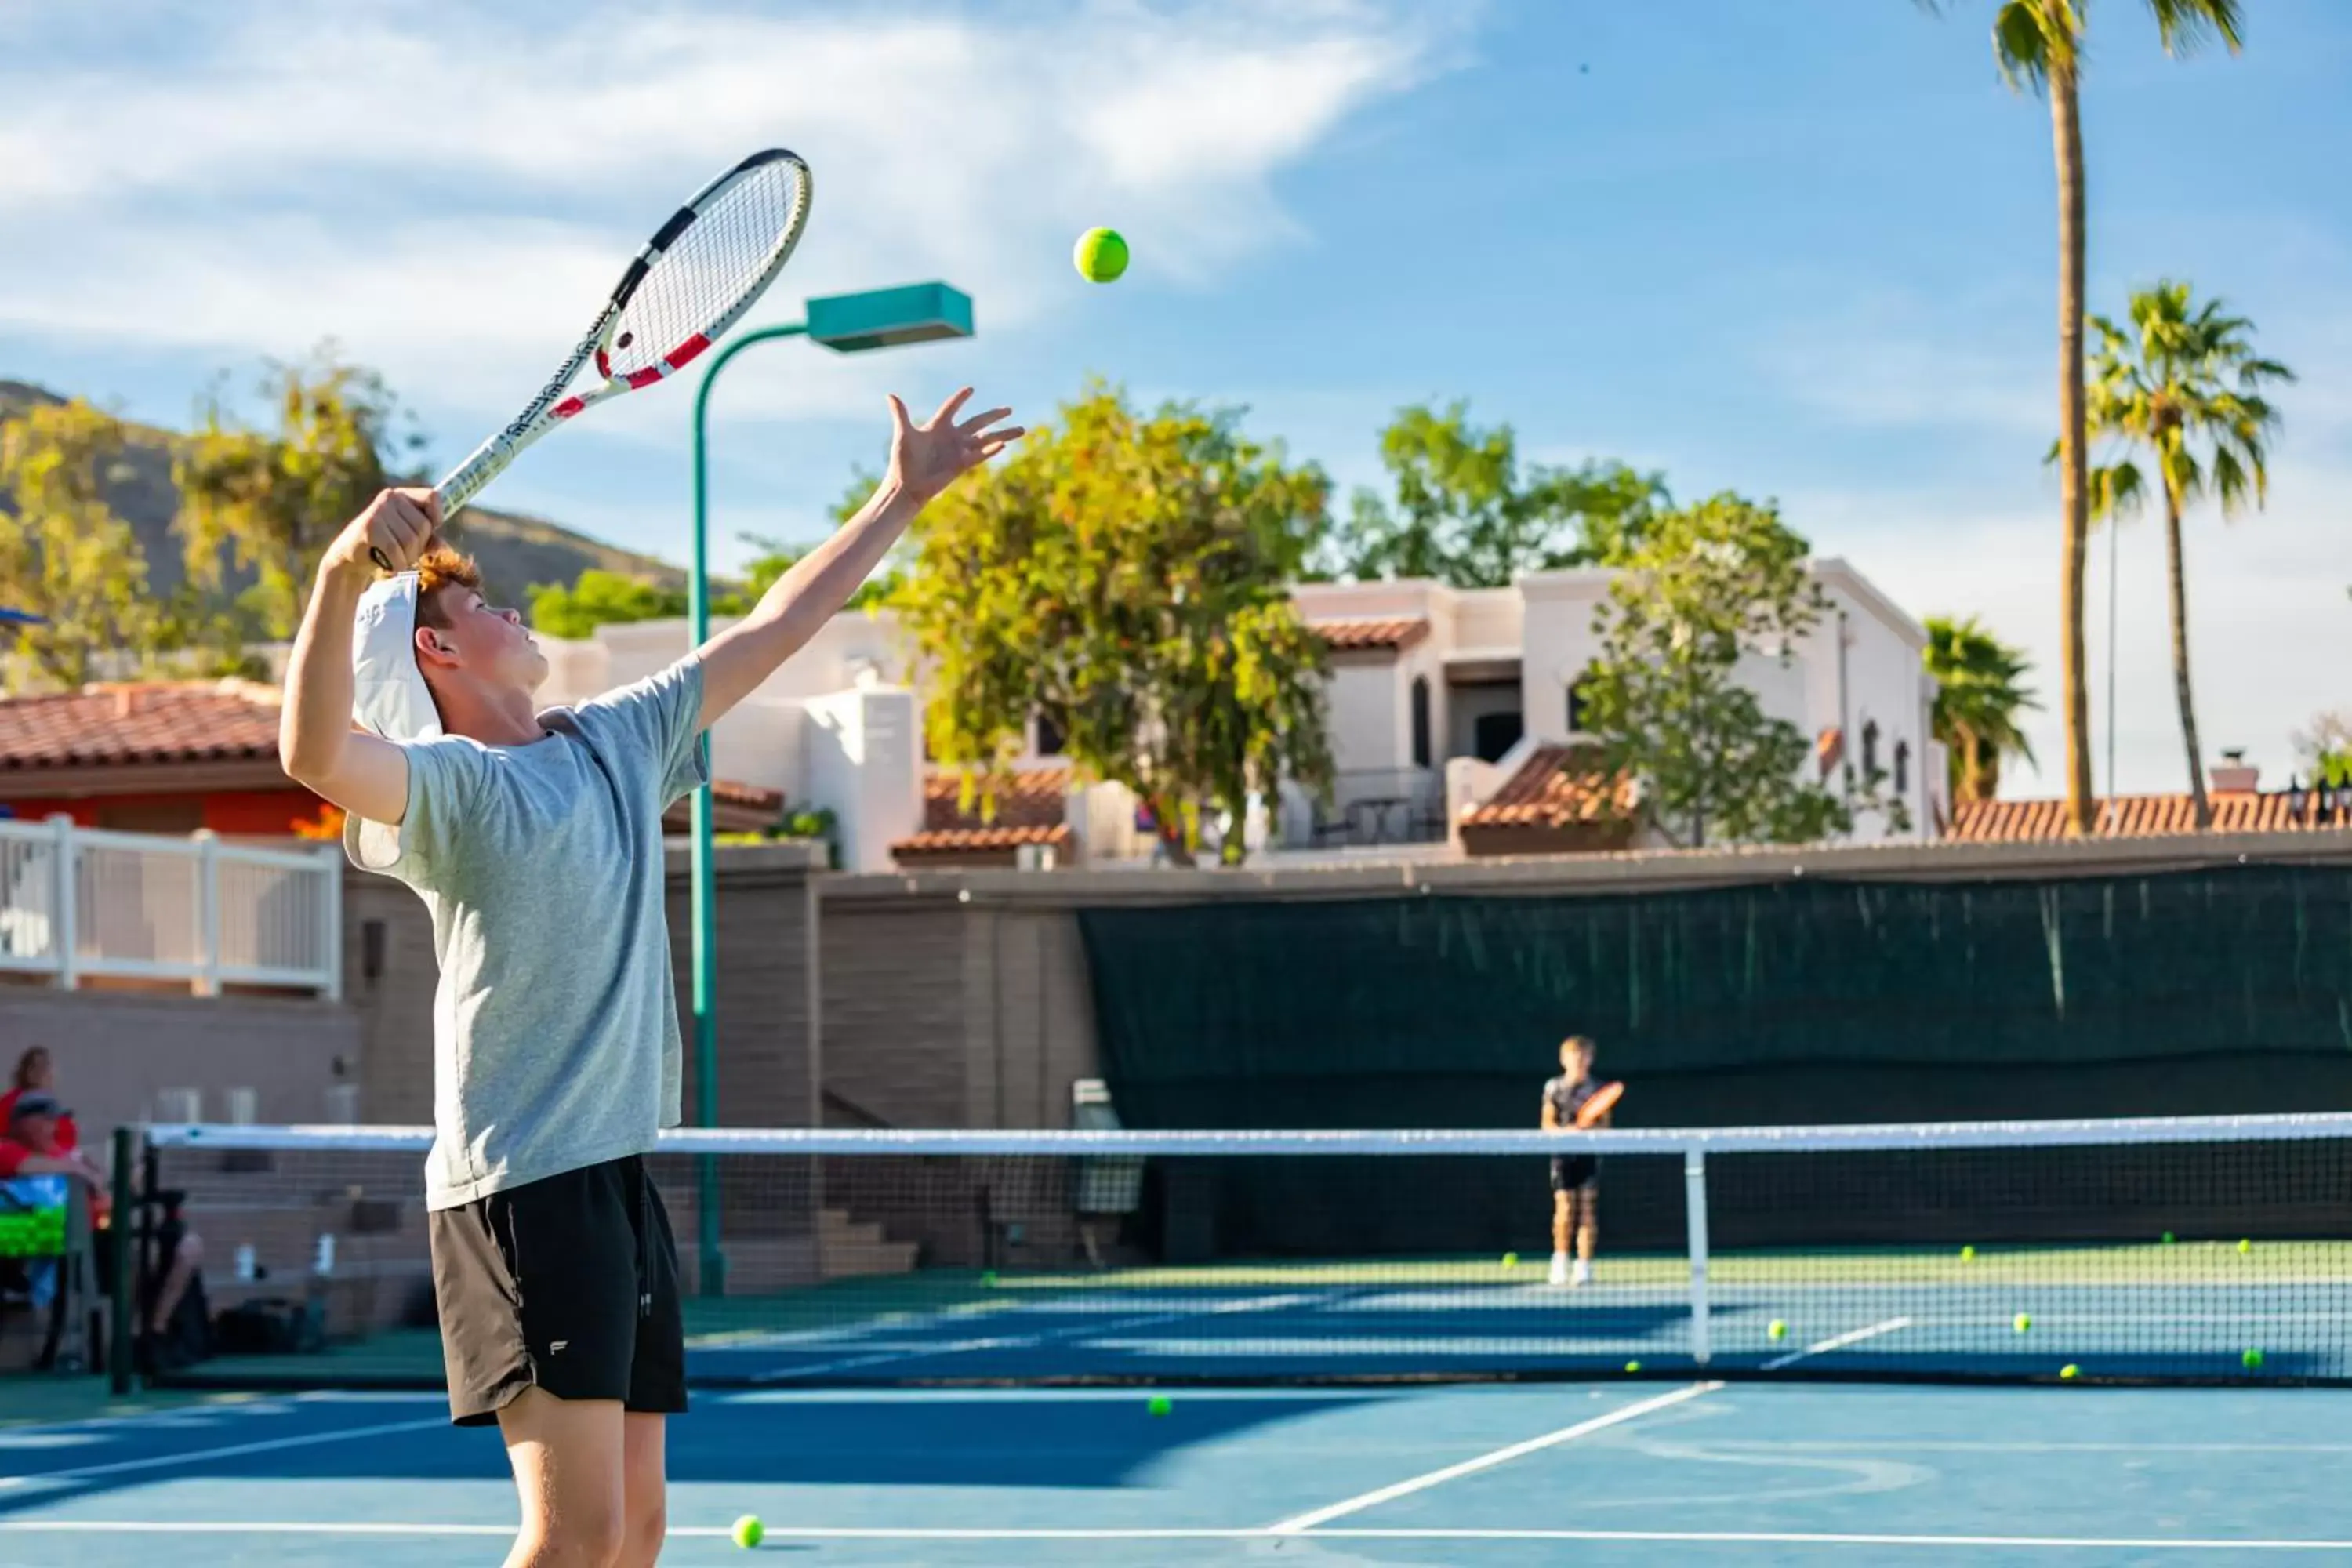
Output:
(694, 279)
(1601, 1103)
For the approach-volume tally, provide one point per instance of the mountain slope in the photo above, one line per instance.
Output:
(516, 551)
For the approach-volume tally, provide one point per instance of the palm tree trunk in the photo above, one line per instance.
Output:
(2073, 486)
(2177, 589)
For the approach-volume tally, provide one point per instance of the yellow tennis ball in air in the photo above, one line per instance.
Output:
(750, 1531)
(2070, 1372)
(2022, 1321)
(2245, 1245)
(2251, 1359)
(1510, 1260)
(1777, 1330)
(1100, 256)
(1967, 1254)
(1636, 1366)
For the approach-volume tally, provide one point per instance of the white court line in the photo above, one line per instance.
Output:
(1023, 1341)
(200, 1456)
(1837, 1342)
(1300, 1523)
(1669, 1537)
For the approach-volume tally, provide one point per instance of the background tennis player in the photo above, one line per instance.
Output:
(1575, 1178)
(535, 841)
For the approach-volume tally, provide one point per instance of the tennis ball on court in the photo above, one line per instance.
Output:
(1160, 1405)
(1100, 256)
(1632, 1366)
(750, 1531)
(1510, 1260)
(1777, 1330)
(1967, 1254)
(2251, 1360)
(2070, 1372)
(2022, 1321)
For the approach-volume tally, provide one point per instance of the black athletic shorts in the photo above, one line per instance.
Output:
(1576, 1173)
(568, 1284)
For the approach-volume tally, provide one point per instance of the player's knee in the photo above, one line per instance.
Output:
(584, 1535)
(648, 1527)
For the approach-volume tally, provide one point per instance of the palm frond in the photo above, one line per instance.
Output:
(2186, 25)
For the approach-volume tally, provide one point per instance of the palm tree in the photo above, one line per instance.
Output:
(2184, 387)
(2039, 43)
(1979, 692)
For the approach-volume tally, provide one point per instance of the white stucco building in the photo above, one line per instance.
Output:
(1452, 713)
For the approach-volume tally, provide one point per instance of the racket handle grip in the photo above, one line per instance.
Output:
(470, 478)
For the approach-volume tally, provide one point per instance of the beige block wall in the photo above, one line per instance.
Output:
(116, 1050)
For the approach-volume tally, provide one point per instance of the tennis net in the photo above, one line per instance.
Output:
(2180, 1250)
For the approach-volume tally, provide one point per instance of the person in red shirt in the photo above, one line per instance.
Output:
(36, 1073)
(31, 1149)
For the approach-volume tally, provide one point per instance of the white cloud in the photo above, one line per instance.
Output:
(448, 190)
(2270, 628)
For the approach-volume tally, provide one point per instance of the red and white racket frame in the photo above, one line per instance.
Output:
(556, 404)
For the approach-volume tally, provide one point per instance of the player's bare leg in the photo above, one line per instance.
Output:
(1563, 1226)
(1588, 1234)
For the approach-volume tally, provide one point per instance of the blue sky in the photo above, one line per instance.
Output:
(1801, 250)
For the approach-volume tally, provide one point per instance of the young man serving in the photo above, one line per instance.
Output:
(535, 841)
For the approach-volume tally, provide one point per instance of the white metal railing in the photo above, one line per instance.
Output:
(79, 903)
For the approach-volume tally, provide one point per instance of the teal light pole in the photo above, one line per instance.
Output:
(847, 323)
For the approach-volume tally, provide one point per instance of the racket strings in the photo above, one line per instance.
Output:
(709, 272)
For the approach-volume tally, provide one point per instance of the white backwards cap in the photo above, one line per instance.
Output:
(388, 696)
(388, 692)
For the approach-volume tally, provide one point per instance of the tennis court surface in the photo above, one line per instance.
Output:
(2117, 1341)
(1639, 1471)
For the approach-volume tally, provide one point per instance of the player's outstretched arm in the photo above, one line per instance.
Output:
(317, 746)
(924, 461)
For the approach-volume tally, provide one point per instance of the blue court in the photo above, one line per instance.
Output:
(1636, 1472)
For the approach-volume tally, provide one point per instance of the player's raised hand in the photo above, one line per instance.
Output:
(927, 457)
(394, 531)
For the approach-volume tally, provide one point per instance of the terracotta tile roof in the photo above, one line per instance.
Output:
(2147, 817)
(1020, 797)
(1556, 787)
(136, 722)
(978, 840)
(1354, 634)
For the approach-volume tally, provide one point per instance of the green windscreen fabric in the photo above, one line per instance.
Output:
(1805, 1000)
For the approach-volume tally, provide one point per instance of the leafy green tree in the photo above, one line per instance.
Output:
(1466, 514)
(598, 597)
(1709, 585)
(1127, 576)
(2184, 387)
(269, 500)
(2325, 747)
(2040, 44)
(1980, 696)
(64, 556)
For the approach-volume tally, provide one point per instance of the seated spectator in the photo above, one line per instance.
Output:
(36, 1073)
(31, 1149)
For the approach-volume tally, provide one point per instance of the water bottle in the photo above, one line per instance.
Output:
(244, 1267)
(325, 1262)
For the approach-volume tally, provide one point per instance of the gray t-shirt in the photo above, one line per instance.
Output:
(555, 1032)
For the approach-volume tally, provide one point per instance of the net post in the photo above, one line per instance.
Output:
(1694, 1205)
(124, 1294)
